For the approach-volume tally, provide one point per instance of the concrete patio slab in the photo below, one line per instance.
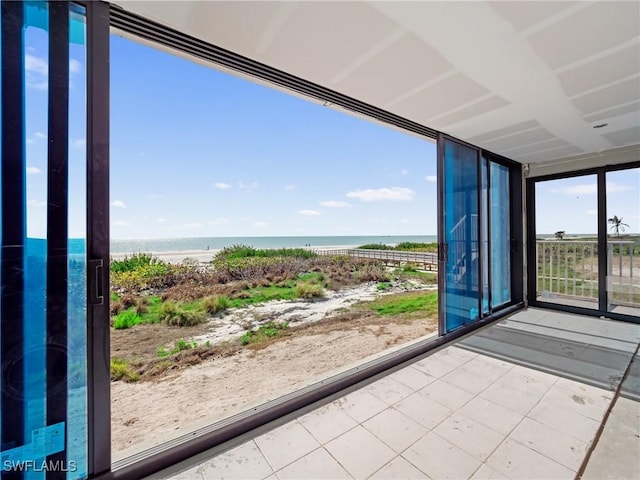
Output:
(510, 401)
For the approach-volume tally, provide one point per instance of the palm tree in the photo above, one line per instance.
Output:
(617, 224)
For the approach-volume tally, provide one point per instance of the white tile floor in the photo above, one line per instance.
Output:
(454, 414)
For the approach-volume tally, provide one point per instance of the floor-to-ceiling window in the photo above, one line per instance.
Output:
(584, 250)
(43, 256)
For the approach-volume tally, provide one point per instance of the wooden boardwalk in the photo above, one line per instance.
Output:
(425, 260)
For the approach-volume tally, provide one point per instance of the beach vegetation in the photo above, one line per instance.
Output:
(372, 272)
(410, 304)
(122, 370)
(403, 246)
(264, 333)
(126, 319)
(215, 304)
(409, 272)
(309, 290)
(184, 315)
(236, 252)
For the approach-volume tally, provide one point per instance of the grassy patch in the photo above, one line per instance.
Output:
(263, 334)
(408, 271)
(126, 319)
(244, 251)
(181, 315)
(308, 290)
(121, 370)
(413, 304)
(215, 304)
(382, 286)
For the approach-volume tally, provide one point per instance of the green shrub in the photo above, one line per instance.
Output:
(308, 290)
(215, 304)
(121, 370)
(173, 314)
(376, 246)
(382, 286)
(134, 262)
(126, 319)
(265, 332)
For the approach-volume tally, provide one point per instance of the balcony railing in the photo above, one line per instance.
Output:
(568, 269)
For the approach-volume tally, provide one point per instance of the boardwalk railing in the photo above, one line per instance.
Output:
(569, 269)
(426, 260)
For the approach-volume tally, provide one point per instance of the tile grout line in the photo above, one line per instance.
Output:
(614, 400)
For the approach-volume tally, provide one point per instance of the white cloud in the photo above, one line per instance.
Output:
(36, 64)
(219, 221)
(192, 225)
(79, 143)
(590, 189)
(247, 186)
(37, 71)
(404, 220)
(613, 187)
(118, 204)
(222, 185)
(260, 224)
(74, 66)
(120, 223)
(394, 194)
(404, 171)
(36, 203)
(335, 204)
(40, 135)
(290, 187)
(431, 178)
(33, 171)
(592, 212)
(30, 141)
(309, 213)
(161, 220)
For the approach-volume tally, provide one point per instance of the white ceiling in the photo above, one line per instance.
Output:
(528, 80)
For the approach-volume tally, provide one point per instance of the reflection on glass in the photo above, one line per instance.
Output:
(566, 241)
(500, 235)
(77, 261)
(623, 241)
(461, 305)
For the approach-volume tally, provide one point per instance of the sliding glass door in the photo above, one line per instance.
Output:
(475, 234)
(43, 267)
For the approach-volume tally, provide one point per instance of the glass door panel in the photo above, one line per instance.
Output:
(43, 395)
(623, 241)
(500, 232)
(459, 232)
(566, 216)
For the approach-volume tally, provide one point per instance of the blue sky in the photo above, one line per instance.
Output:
(196, 152)
(571, 204)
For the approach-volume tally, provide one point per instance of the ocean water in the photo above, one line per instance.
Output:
(215, 243)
